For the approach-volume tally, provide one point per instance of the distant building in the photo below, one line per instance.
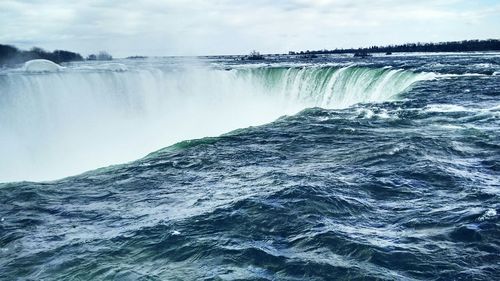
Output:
(103, 55)
(254, 55)
(361, 55)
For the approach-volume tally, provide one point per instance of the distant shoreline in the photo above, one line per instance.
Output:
(11, 56)
(452, 46)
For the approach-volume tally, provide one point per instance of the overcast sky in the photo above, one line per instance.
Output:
(199, 27)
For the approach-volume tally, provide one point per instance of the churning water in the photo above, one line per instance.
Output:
(384, 168)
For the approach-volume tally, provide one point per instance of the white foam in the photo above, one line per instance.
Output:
(41, 65)
(461, 75)
(489, 214)
(119, 67)
(484, 65)
(445, 108)
(494, 108)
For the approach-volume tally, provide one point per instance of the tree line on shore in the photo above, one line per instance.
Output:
(453, 46)
(10, 55)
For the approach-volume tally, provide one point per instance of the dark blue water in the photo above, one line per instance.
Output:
(398, 190)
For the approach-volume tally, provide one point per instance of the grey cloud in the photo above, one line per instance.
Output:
(236, 26)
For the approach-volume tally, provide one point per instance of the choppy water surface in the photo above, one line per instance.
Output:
(385, 168)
